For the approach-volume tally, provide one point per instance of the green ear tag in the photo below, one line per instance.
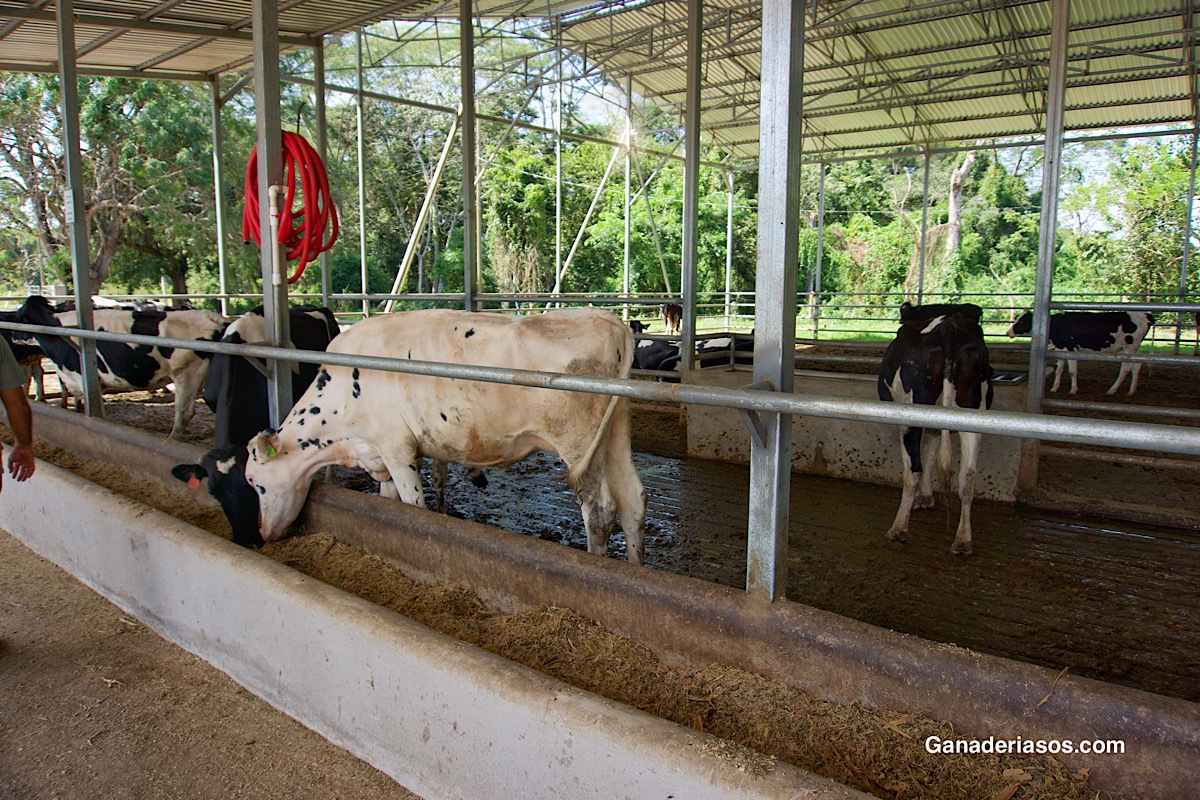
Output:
(271, 450)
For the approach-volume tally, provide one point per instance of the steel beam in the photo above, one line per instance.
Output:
(270, 173)
(360, 121)
(691, 182)
(466, 45)
(73, 203)
(323, 151)
(775, 289)
(1052, 160)
(218, 141)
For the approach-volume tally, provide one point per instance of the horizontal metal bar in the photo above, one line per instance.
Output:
(1117, 458)
(1137, 358)
(152, 26)
(1135, 306)
(1138, 436)
(51, 68)
(1125, 408)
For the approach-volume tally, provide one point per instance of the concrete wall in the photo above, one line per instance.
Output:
(861, 451)
(827, 655)
(443, 718)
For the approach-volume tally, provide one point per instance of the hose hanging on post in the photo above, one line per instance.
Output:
(300, 234)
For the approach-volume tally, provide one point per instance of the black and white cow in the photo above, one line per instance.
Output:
(672, 317)
(27, 352)
(911, 313)
(385, 421)
(656, 355)
(638, 326)
(133, 367)
(943, 360)
(236, 392)
(1094, 331)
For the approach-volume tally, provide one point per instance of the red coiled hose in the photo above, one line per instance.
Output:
(300, 233)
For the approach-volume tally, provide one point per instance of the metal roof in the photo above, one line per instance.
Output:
(879, 74)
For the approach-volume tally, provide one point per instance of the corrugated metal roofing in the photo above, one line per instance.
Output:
(880, 74)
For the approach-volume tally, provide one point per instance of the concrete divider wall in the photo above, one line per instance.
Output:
(441, 717)
(692, 621)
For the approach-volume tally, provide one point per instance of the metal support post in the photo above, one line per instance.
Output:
(73, 204)
(691, 182)
(470, 222)
(924, 233)
(558, 165)
(1187, 236)
(628, 199)
(1055, 101)
(1060, 16)
(323, 151)
(729, 249)
(218, 143)
(816, 298)
(360, 112)
(775, 289)
(270, 173)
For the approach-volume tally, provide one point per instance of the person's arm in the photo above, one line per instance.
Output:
(20, 419)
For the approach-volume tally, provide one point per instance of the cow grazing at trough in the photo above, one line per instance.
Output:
(1093, 331)
(27, 352)
(943, 360)
(236, 392)
(385, 421)
(911, 313)
(132, 367)
(672, 317)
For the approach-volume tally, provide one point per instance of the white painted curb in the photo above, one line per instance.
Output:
(445, 719)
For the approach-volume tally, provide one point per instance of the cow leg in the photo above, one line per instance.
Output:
(910, 451)
(406, 476)
(187, 388)
(1073, 366)
(387, 488)
(625, 486)
(966, 490)
(1127, 368)
(39, 381)
(929, 458)
(441, 475)
(1057, 375)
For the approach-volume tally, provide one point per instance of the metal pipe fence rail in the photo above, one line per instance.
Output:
(1076, 430)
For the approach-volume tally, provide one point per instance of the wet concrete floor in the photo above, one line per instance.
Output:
(1115, 601)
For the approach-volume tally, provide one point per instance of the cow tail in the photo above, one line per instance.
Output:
(576, 472)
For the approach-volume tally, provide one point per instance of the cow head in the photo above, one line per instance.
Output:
(1021, 325)
(225, 469)
(638, 327)
(282, 486)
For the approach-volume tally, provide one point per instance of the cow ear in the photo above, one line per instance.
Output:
(271, 445)
(191, 474)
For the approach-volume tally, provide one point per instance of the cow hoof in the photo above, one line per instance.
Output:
(961, 549)
(896, 534)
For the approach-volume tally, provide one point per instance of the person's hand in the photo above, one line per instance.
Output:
(21, 462)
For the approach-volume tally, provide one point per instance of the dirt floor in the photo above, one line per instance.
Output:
(95, 705)
(881, 753)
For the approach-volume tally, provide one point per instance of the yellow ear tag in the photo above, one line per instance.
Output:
(271, 450)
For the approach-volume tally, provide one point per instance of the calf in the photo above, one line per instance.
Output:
(236, 392)
(1095, 331)
(911, 313)
(672, 317)
(638, 327)
(941, 360)
(384, 421)
(126, 367)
